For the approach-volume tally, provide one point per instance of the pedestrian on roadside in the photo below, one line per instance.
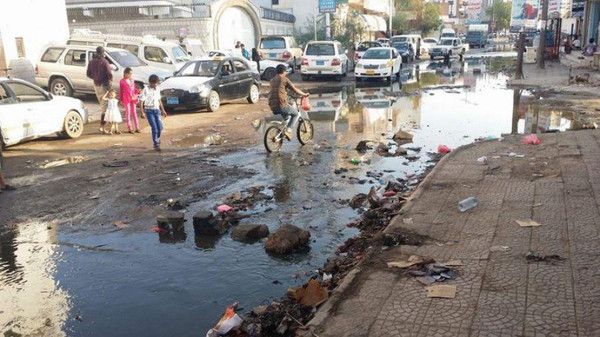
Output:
(245, 52)
(128, 96)
(113, 114)
(3, 185)
(591, 48)
(237, 44)
(99, 70)
(256, 58)
(152, 108)
(576, 42)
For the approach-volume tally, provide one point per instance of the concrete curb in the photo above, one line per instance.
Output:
(324, 311)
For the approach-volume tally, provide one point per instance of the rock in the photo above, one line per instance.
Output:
(173, 218)
(287, 239)
(358, 200)
(249, 232)
(363, 146)
(400, 151)
(402, 137)
(383, 149)
(205, 223)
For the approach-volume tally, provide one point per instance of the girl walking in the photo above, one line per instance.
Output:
(128, 95)
(113, 114)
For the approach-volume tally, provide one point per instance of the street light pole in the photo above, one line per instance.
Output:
(542, 46)
(390, 14)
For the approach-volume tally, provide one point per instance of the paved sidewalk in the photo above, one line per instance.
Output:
(499, 292)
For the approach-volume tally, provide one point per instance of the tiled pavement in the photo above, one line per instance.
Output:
(499, 293)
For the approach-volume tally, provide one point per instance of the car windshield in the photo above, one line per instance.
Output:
(206, 68)
(399, 39)
(446, 42)
(318, 49)
(377, 54)
(430, 40)
(447, 34)
(272, 43)
(126, 59)
(366, 45)
(401, 45)
(180, 55)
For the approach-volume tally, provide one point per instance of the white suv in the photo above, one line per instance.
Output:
(324, 58)
(280, 48)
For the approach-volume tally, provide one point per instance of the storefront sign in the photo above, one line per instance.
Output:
(577, 8)
(327, 6)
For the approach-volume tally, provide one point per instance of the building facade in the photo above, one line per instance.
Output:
(218, 24)
(28, 26)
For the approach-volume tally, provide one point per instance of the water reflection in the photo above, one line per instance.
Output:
(33, 303)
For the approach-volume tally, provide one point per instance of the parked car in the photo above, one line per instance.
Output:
(448, 47)
(382, 62)
(28, 111)
(267, 67)
(363, 47)
(447, 33)
(405, 50)
(208, 82)
(63, 69)
(280, 48)
(152, 50)
(384, 42)
(427, 44)
(324, 58)
(413, 39)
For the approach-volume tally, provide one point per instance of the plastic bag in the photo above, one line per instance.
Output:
(531, 140)
(443, 149)
(228, 322)
(304, 103)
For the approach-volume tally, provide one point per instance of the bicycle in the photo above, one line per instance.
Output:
(275, 133)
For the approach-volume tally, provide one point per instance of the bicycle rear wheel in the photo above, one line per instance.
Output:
(305, 131)
(273, 139)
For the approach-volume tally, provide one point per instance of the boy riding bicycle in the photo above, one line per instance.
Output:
(278, 98)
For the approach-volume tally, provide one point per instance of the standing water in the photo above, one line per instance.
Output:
(55, 283)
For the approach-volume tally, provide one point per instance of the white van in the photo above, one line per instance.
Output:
(413, 39)
(155, 52)
(447, 33)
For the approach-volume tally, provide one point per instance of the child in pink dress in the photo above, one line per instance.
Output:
(128, 96)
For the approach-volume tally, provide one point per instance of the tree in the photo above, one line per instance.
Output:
(401, 23)
(499, 13)
(430, 19)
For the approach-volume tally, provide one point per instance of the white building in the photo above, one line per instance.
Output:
(27, 26)
(218, 23)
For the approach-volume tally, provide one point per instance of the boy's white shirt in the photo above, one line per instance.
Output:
(150, 97)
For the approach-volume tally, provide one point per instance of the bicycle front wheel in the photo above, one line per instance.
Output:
(305, 131)
(273, 139)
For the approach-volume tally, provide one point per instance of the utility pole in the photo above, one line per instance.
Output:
(391, 14)
(542, 46)
(328, 26)
(521, 51)
(316, 11)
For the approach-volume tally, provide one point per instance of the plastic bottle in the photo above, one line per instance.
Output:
(467, 204)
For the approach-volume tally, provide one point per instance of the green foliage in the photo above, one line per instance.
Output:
(431, 17)
(401, 23)
(348, 29)
(416, 15)
(500, 12)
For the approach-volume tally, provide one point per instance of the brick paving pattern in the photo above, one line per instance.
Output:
(500, 292)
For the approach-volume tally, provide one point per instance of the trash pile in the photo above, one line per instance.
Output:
(426, 270)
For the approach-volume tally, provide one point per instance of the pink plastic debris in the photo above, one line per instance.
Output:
(443, 149)
(224, 208)
(159, 230)
(389, 193)
(531, 140)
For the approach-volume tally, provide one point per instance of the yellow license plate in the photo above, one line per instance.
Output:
(370, 72)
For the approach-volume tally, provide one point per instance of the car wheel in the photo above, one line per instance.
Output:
(305, 77)
(73, 125)
(214, 101)
(269, 73)
(346, 72)
(60, 87)
(254, 94)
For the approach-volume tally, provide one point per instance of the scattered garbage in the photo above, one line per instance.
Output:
(499, 248)
(117, 163)
(443, 149)
(412, 260)
(441, 291)
(256, 124)
(482, 160)
(64, 161)
(312, 294)
(515, 155)
(528, 223)
(120, 224)
(467, 204)
(229, 321)
(531, 139)
(535, 257)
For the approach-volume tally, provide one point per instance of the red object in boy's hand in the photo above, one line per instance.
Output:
(304, 103)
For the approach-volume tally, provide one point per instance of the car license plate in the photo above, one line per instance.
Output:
(273, 55)
(370, 72)
(172, 100)
(320, 63)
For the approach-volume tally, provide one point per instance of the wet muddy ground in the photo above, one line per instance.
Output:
(103, 274)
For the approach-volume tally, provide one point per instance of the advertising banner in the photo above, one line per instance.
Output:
(525, 13)
(474, 11)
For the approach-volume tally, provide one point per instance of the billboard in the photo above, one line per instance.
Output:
(524, 13)
(327, 6)
(577, 8)
(474, 11)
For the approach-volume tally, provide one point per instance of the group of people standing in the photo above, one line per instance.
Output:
(241, 50)
(129, 96)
